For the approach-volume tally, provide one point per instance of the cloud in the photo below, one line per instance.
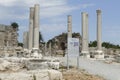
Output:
(62, 9)
(87, 5)
(44, 3)
(112, 30)
(58, 20)
(48, 28)
(54, 11)
(110, 34)
(7, 2)
(51, 30)
(10, 8)
(50, 10)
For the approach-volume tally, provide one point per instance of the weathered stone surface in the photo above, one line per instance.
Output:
(55, 75)
(42, 64)
(54, 65)
(59, 52)
(16, 76)
(40, 74)
(15, 66)
(47, 74)
(33, 64)
(4, 65)
(32, 75)
(36, 65)
(11, 64)
(117, 59)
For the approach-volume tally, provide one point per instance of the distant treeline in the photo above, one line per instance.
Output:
(104, 44)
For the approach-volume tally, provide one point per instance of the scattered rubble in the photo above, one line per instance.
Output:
(32, 75)
(74, 74)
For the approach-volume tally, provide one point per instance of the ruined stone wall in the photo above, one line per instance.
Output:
(8, 36)
(1, 38)
(59, 43)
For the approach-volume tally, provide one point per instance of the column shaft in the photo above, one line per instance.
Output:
(36, 26)
(84, 32)
(69, 26)
(99, 32)
(25, 40)
(31, 28)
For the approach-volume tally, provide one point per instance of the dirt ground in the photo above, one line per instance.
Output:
(74, 74)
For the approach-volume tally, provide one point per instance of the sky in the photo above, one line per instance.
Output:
(53, 17)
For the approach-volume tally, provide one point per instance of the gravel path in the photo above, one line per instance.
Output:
(107, 71)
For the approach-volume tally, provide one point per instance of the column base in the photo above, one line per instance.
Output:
(99, 51)
(99, 54)
(85, 54)
(36, 54)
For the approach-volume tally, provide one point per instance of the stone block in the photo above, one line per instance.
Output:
(4, 64)
(39, 74)
(55, 75)
(54, 65)
(32, 65)
(16, 76)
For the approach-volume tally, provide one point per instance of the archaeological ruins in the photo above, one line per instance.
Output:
(43, 61)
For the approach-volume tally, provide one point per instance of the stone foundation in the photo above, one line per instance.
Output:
(32, 75)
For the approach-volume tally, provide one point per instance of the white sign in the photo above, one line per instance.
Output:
(73, 47)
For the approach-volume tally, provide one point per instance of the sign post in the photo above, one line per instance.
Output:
(73, 50)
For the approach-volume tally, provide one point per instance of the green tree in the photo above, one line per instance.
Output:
(40, 37)
(15, 25)
(104, 44)
(20, 44)
(93, 44)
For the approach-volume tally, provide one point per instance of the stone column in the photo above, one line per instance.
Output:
(36, 26)
(25, 40)
(85, 49)
(99, 32)
(31, 28)
(36, 51)
(69, 26)
(45, 48)
(87, 33)
(50, 49)
(100, 53)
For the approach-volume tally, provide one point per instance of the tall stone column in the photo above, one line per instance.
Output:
(36, 26)
(36, 51)
(99, 51)
(69, 35)
(99, 32)
(87, 32)
(69, 26)
(85, 49)
(31, 28)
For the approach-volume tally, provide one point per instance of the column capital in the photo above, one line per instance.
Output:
(69, 18)
(37, 5)
(98, 11)
(83, 12)
(31, 8)
(69, 15)
(86, 14)
(31, 12)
